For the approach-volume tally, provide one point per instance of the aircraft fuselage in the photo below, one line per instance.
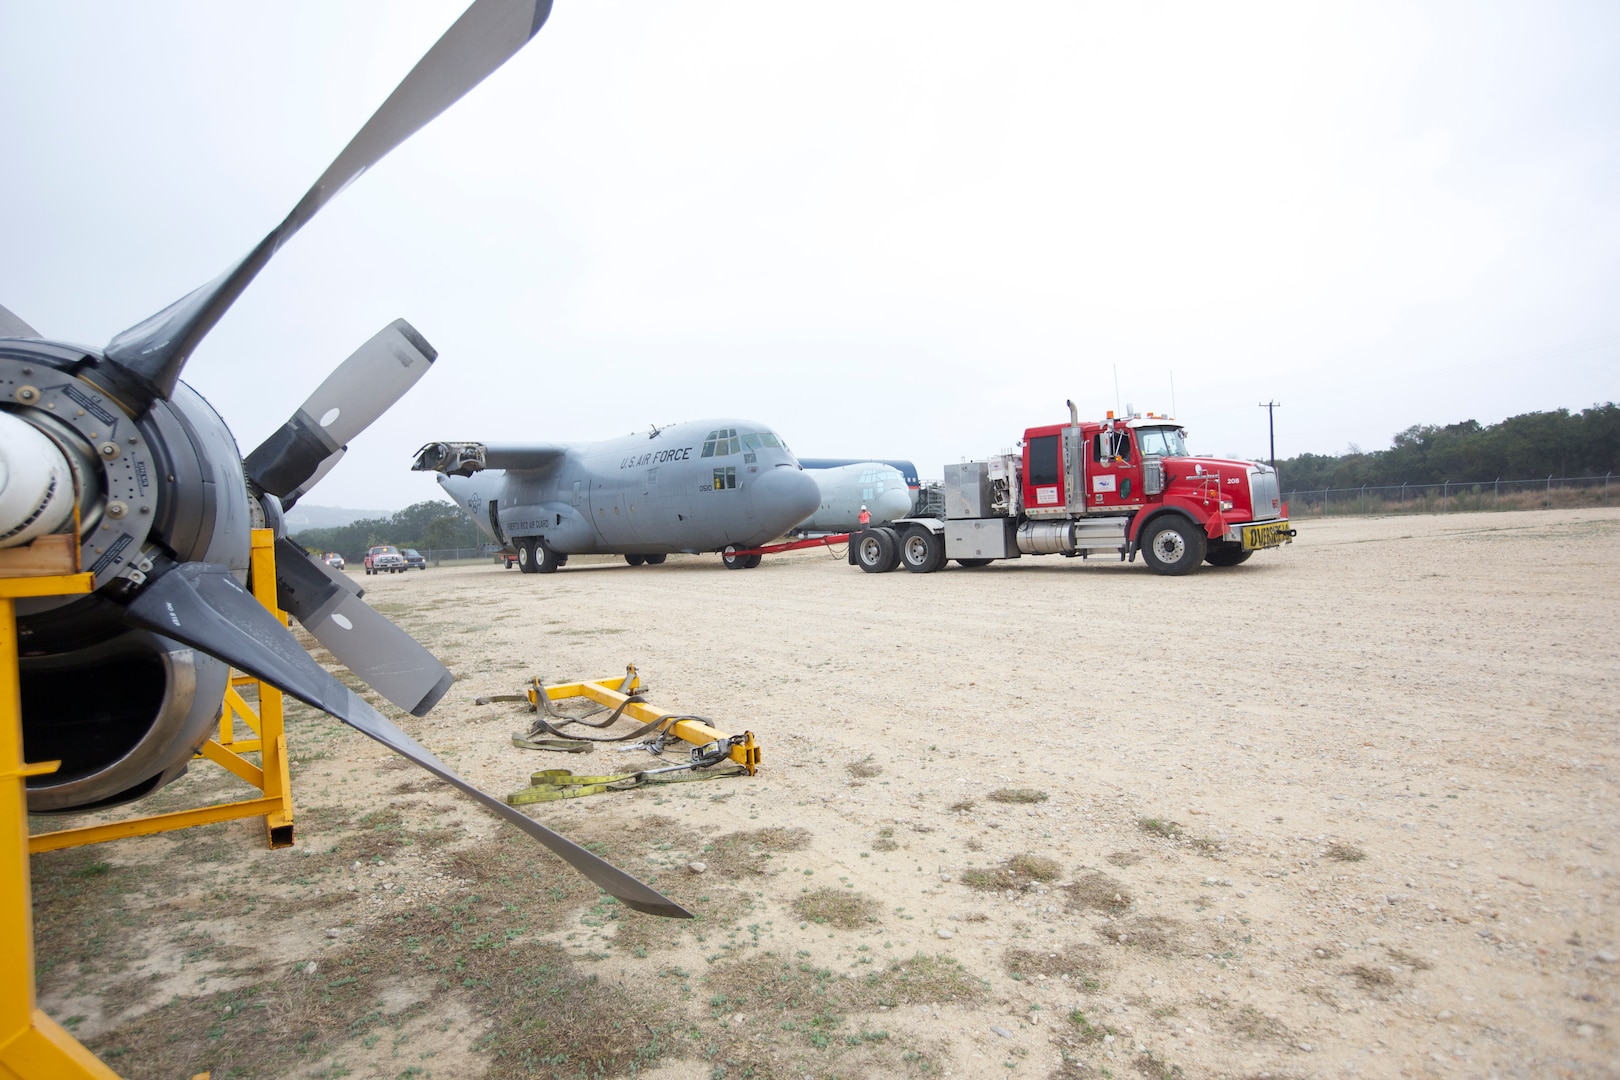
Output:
(693, 487)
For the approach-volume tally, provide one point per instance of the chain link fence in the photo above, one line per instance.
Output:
(1554, 492)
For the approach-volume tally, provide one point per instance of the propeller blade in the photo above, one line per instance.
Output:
(357, 392)
(148, 357)
(12, 326)
(385, 657)
(289, 500)
(202, 605)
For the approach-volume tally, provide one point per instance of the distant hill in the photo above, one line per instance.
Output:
(328, 517)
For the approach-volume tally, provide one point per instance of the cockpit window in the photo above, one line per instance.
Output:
(1163, 442)
(722, 442)
(757, 440)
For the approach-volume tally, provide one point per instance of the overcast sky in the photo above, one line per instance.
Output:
(882, 229)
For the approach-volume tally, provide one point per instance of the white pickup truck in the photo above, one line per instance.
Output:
(385, 559)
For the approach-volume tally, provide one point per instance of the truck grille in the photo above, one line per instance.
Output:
(1264, 494)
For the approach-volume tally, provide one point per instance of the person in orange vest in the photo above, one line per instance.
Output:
(865, 518)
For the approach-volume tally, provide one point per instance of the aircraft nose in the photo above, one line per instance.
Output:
(892, 505)
(784, 496)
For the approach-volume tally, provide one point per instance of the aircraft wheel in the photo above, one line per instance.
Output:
(875, 550)
(922, 550)
(635, 560)
(526, 556)
(732, 560)
(546, 561)
(752, 561)
(655, 560)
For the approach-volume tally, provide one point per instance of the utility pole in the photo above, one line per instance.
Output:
(1271, 408)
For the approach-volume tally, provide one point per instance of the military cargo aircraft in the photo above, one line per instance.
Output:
(707, 485)
(846, 489)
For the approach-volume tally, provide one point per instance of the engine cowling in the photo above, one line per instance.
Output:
(124, 710)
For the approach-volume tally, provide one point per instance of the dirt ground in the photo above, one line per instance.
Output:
(1350, 809)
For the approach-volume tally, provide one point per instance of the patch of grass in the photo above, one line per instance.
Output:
(1155, 1067)
(1098, 892)
(798, 1017)
(750, 851)
(89, 915)
(1371, 978)
(1157, 934)
(480, 956)
(1123, 859)
(844, 909)
(1253, 1024)
(865, 768)
(885, 840)
(1416, 963)
(1018, 872)
(961, 806)
(1345, 852)
(1085, 1030)
(1018, 795)
(1160, 827)
(1083, 964)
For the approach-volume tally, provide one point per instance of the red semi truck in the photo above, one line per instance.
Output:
(1115, 486)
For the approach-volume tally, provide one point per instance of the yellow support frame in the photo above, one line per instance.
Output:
(267, 737)
(32, 1045)
(615, 692)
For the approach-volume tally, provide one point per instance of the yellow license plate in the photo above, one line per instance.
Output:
(1271, 534)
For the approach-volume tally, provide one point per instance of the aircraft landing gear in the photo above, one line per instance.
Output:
(536, 557)
(734, 561)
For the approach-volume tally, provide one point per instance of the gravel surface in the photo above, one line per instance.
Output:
(1348, 809)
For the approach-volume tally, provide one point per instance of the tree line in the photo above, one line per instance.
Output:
(424, 525)
(1527, 447)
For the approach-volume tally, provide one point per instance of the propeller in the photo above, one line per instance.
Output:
(12, 326)
(202, 605)
(148, 357)
(388, 659)
(290, 462)
(358, 391)
(173, 510)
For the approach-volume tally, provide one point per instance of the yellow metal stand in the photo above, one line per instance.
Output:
(32, 1045)
(266, 736)
(615, 693)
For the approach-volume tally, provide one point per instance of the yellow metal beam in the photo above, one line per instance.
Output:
(154, 823)
(614, 692)
(32, 1045)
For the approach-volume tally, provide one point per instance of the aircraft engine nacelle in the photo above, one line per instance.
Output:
(123, 709)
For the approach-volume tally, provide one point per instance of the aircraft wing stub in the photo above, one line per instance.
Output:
(466, 458)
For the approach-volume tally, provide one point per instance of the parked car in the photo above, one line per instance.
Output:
(415, 560)
(385, 559)
(334, 560)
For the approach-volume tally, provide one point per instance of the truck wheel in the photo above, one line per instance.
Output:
(973, 564)
(875, 551)
(655, 560)
(922, 550)
(1227, 555)
(1173, 545)
(635, 560)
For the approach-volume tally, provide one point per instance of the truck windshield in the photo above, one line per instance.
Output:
(1162, 442)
